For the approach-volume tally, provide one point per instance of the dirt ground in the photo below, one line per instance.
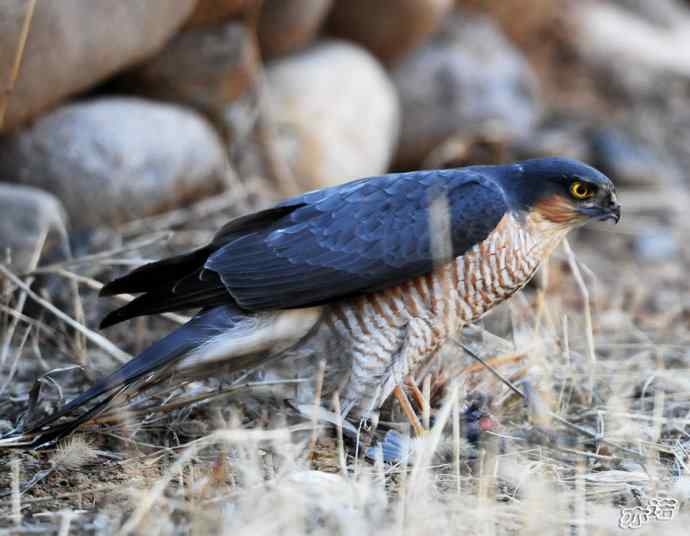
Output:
(605, 426)
(596, 441)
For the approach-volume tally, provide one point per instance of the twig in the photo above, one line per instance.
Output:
(424, 455)
(553, 415)
(456, 446)
(426, 409)
(339, 434)
(493, 371)
(589, 331)
(79, 343)
(317, 404)
(23, 36)
(21, 301)
(109, 489)
(39, 477)
(67, 517)
(28, 320)
(136, 244)
(278, 169)
(15, 467)
(498, 360)
(13, 367)
(204, 208)
(156, 492)
(94, 337)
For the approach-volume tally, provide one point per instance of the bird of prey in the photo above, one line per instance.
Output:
(390, 267)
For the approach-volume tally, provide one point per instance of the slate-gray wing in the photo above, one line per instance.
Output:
(356, 238)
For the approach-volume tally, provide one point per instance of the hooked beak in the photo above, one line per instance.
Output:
(612, 212)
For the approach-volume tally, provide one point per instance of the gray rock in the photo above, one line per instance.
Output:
(629, 52)
(490, 146)
(467, 77)
(656, 245)
(74, 44)
(626, 161)
(388, 28)
(661, 12)
(557, 136)
(209, 12)
(111, 160)
(206, 67)
(27, 216)
(335, 113)
(289, 25)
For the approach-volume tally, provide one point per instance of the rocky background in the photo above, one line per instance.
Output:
(121, 120)
(115, 112)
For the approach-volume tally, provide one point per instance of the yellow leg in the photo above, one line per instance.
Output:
(417, 394)
(408, 410)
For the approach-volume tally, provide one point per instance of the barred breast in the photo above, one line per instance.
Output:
(391, 332)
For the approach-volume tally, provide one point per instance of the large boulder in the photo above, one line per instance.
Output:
(115, 159)
(335, 113)
(283, 26)
(559, 134)
(466, 79)
(633, 52)
(663, 13)
(73, 44)
(388, 28)
(289, 25)
(629, 162)
(29, 218)
(209, 12)
(206, 67)
(637, 53)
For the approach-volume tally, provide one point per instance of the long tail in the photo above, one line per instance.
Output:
(226, 321)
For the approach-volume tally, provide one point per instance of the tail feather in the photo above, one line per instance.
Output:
(160, 274)
(181, 282)
(155, 359)
(223, 336)
(164, 301)
(170, 285)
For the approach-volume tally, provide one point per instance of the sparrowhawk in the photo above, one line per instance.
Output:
(390, 266)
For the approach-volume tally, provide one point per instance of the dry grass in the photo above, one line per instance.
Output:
(6, 92)
(594, 412)
(595, 435)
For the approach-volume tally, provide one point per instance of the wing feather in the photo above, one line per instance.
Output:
(341, 241)
(356, 238)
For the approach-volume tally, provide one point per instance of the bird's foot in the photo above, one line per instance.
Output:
(408, 410)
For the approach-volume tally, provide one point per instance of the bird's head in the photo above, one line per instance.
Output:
(560, 190)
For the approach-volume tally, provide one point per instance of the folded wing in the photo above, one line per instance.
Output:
(357, 238)
(350, 239)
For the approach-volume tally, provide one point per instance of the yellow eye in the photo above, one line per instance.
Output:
(581, 190)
